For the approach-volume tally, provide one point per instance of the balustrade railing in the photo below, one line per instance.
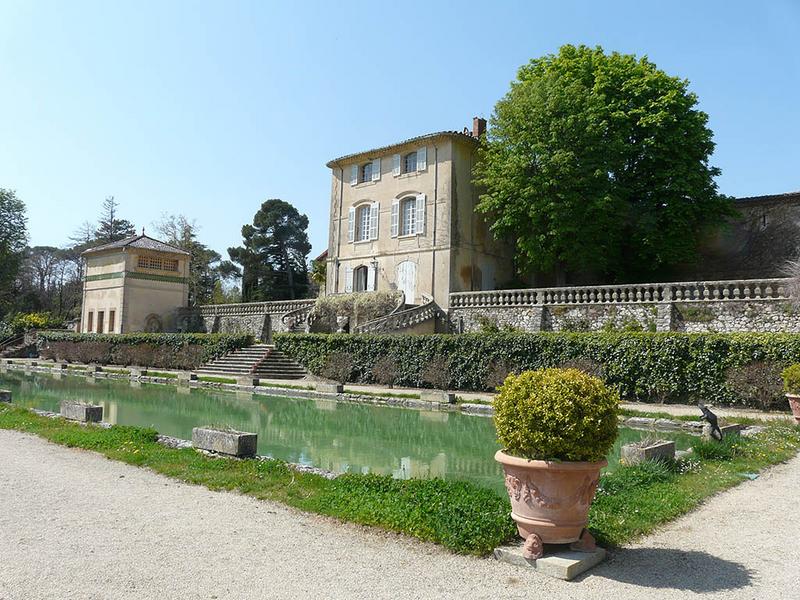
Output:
(400, 320)
(253, 308)
(686, 291)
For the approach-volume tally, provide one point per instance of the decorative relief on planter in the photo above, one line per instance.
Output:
(532, 495)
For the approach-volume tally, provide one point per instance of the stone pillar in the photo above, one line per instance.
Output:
(538, 319)
(665, 316)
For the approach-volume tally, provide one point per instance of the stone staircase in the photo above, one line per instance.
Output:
(260, 360)
(14, 347)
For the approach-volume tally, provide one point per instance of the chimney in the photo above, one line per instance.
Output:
(478, 127)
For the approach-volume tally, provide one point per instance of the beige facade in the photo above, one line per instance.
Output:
(403, 218)
(136, 284)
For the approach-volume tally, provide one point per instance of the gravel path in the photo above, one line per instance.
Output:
(75, 525)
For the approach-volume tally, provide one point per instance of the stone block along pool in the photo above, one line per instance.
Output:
(337, 436)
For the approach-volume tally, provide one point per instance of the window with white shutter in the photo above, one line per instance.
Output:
(351, 225)
(376, 169)
(365, 173)
(408, 216)
(395, 217)
(410, 162)
(372, 278)
(362, 220)
(348, 279)
(374, 214)
(422, 159)
(420, 224)
(396, 165)
(354, 175)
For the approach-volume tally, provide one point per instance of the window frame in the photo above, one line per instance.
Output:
(357, 276)
(411, 203)
(363, 177)
(362, 224)
(404, 160)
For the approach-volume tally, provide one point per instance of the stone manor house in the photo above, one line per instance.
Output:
(402, 217)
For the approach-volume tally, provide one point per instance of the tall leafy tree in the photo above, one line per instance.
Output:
(599, 162)
(274, 253)
(13, 239)
(110, 228)
(207, 270)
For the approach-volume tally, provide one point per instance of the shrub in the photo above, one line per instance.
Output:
(728, 448)
(164, 350)
(587, 365)
(646, 367)
(498, 371)
(759, 383)
(339, 367)
(556, 414)
(358, 308)
(22, 322)
(385, 371)
(791, 379)
(437, 373)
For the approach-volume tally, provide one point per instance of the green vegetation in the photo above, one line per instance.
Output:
(605, 148)
(651, 414)
(214, 379)
(642, 366)
(163, 350)
(630, 502)
(459, 515)
(382, 394)
(633, 501)
(556, 414)
(791, 379)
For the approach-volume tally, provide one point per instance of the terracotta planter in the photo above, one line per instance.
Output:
(550, 500)
(794, 403)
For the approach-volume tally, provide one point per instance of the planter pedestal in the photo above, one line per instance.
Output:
(330, 388)
(232, 443)
(633, 454)
(437, 396)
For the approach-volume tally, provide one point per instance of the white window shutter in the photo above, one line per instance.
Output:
(422, 158)
(354, 175)
(376, 169)
(396, 165)
(371, 278)
(374, 213)
(348, 279)
(420, 225)
(395, 217)
(351, 225)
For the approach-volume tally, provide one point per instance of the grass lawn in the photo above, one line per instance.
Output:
(465, 518)
(215, 379)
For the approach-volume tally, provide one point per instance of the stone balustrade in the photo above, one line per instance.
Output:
(700, 291)
(279, 307)
(402, 320)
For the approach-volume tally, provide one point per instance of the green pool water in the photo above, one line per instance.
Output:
(335, 436)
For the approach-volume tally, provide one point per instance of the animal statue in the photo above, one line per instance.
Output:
(712, 420)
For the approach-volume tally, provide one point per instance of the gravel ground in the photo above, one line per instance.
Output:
(75, 525)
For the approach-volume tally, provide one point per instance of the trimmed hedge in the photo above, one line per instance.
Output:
(161, 350)
(647, 367)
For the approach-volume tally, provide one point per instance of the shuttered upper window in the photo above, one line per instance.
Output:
(365, 172)
(410, 162)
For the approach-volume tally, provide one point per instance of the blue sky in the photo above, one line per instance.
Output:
(208, 108)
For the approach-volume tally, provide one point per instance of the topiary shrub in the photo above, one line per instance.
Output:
(759, 383)
(556, 414)
(791, 379)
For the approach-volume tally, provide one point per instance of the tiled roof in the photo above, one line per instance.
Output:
(137, 241)
(376, 151)
(772, 198)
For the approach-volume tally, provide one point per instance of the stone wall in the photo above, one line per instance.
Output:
(259, 319)
(750, 305)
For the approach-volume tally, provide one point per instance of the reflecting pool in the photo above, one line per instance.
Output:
(335, 436)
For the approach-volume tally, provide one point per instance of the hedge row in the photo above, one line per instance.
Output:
(737, 368)
(164, 350)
